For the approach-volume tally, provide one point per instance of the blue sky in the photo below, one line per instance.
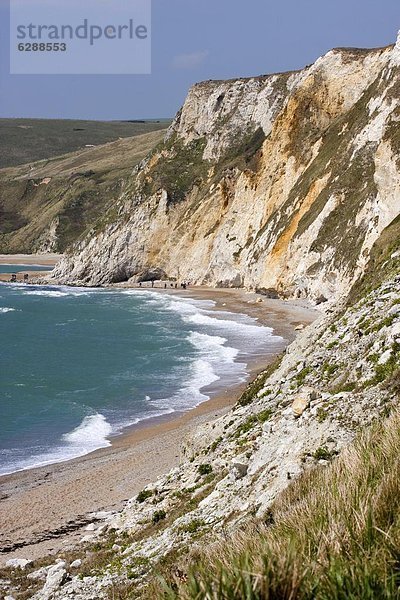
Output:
(195, 40)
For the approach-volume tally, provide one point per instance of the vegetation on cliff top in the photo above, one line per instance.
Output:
(47, 138)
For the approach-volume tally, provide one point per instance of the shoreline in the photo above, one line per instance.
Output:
(38, 260)
(27, 260)
(44, 509)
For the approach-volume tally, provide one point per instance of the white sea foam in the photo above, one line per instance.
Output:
(161, 411)
(55, 293)
(213, 346)
(60, 291)
(184, 308)
(218, 338)
(202, 314)
(199, 312)
(215, 336)
(6, 309)
(45, 293)
(200, 318)
(90, 435)
(175, 304)
(200, 375)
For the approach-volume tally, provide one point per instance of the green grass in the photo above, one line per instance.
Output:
(302, 376)
(329, 369)
(251, 391)
(321, 415)
(178, 171)
(386, 322)
(381, 266)
(348, 386)
(323, 454)
(215, 444)
(251, 421)
(332, 345)
(29, 140)
(244, 153)
(80, 190)
(334, 534)
(193, 526)
(386, 371)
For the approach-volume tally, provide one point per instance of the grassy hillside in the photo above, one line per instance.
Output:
(332, 535)
(47, 205)
(26, 140)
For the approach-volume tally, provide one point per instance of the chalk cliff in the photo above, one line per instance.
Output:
(281, 181)
(289, 182)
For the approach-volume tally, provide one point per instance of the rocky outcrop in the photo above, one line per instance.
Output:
(281, 182)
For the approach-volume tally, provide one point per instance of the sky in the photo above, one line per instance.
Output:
(196, 40)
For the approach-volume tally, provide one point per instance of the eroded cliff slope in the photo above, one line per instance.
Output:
(282, 181)
(46, 205)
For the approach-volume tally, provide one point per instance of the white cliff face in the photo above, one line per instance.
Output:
(221, 110)
(395, 60)
(283, 181)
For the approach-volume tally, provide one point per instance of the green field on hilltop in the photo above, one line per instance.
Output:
(45, 206)
(27, 140)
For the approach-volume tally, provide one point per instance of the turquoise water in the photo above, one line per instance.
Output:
(22, 268)
(79, 365)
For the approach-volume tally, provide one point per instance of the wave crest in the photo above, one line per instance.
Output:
(92, 433)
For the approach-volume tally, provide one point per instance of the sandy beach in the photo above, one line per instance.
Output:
(45, 260)
(45, 510)
(30, 259)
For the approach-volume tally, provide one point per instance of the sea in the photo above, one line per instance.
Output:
(80, 365)
(22, 268)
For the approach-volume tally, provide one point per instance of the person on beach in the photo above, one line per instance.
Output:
(152, 284)
(165, 286)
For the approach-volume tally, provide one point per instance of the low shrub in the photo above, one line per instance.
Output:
(158, 516)
(204, 469)
(143, 495)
